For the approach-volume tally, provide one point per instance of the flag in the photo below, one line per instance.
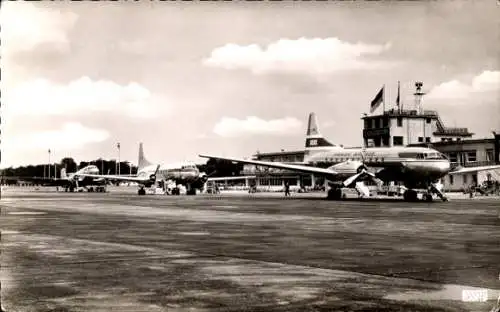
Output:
(397, 99)
(379, 98)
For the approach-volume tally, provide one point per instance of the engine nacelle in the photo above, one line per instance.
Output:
(348, 168)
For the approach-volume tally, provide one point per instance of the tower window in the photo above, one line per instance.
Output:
(397, 140)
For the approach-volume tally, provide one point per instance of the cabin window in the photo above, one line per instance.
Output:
(408, 155)
(400, 121)
(420, 139)
(397, 140)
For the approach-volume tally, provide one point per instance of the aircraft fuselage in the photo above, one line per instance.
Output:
(408, 164)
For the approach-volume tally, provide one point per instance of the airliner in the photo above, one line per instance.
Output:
(78, 179)
(184, 173)
(418, 168)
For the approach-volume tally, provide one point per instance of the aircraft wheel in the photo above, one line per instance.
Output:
(142, 192)
(410, 196)
(335, 194)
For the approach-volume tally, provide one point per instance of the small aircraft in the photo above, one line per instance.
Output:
(419, 168)
(76, 180)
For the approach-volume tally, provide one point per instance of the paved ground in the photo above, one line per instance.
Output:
(121, 252)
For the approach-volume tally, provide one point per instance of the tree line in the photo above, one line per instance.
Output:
(213, 168)
(68, 163)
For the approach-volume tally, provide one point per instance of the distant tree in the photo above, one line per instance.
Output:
(69, 164)
(222, 168)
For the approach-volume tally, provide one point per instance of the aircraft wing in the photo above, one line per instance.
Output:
(142, 179)
(299, 168)
(462, 170)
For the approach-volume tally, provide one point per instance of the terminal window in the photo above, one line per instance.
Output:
(397, 140)
(400, 122)
(471, 156)
(420, 139)
(427, 139)
(428, 120)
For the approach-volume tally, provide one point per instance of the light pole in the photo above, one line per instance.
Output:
(118, 146)
(49, 163)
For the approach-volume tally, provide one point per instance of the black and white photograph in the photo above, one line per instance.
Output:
(250, 156)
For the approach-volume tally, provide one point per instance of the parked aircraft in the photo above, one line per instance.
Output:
(186, 174)
(419, 168)
(77, 179)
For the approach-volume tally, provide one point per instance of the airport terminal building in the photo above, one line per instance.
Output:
(396, 127)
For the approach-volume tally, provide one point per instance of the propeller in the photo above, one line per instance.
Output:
(363, 171)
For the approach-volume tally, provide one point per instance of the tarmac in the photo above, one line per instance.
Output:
(118, 251)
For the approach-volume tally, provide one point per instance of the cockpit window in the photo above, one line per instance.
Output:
(428, 155)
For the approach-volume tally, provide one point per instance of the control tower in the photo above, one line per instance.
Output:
(401, 127)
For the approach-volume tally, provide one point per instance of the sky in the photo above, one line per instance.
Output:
(233, 78)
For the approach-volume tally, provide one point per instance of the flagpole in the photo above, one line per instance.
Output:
(383, 100)
(399, 98)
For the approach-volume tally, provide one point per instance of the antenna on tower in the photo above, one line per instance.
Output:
(418, 96)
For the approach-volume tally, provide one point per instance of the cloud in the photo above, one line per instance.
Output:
(71, 135)
(83, 96)
(487, 81)
(25, 26)
(233, 127)
(314, 56)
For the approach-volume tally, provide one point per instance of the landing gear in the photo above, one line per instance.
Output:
(190, 190)
(410, 195)
(334, 194)
(141, 191)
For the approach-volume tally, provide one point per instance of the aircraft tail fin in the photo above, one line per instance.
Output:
(314, 139)
(142, 162)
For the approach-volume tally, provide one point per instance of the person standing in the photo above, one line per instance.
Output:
(287, 189)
